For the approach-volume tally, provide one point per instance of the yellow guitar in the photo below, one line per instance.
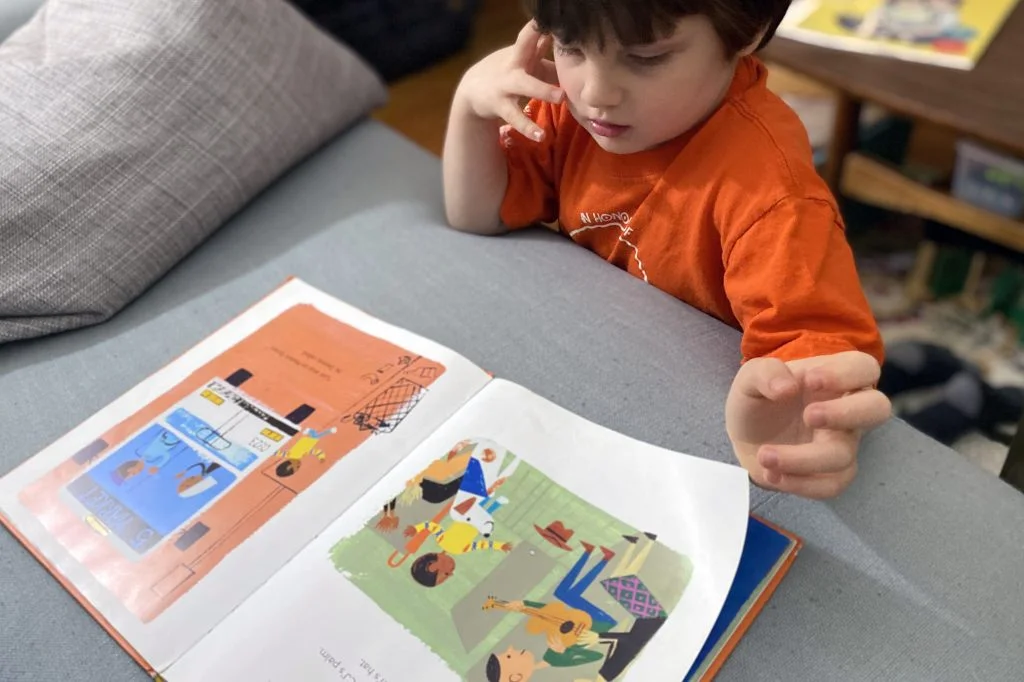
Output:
(554, 620)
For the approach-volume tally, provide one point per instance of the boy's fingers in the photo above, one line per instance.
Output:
(843, 372)
(525, 47)
(543, 47)
(522, 84)
(515, 117)
(547, 72)
(767, 378)
(830, 455)
(821, 487)
(857, 411)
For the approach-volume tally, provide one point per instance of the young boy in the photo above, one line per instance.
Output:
(652, 140)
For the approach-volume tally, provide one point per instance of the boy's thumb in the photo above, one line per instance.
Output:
(768, 378)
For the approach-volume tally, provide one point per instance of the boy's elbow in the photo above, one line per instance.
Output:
(480, 229)
(464, 222)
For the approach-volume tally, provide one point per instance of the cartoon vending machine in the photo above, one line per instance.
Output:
(144, 492)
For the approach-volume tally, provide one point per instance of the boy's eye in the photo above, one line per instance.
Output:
(649, 60)
(568, 51)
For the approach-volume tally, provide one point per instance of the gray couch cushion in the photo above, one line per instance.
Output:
(131, 129)
(913, 574)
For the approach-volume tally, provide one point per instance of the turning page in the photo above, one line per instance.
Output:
(167, 508)
(517, 542)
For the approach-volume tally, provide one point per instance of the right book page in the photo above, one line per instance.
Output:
(517, 542)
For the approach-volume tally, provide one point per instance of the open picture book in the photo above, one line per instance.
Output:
(313, 494)
(948, 33)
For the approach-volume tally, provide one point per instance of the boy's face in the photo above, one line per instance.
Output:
(634, 98)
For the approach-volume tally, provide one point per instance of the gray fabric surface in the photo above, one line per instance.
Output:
(14, 13)
(132, 129)
(914, 574)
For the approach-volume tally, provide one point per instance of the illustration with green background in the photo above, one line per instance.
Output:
(449, 618)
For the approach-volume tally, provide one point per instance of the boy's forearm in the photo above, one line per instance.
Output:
(475, 174)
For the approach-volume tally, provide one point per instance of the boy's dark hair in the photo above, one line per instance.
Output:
(635, 22)
(420, 572)
(493, 669)
(285, 469)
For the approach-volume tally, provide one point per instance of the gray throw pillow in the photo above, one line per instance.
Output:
(14, 13)
(130, 130)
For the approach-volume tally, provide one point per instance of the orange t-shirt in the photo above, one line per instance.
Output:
(731, 218)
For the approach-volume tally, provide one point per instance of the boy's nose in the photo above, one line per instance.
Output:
(600, 92)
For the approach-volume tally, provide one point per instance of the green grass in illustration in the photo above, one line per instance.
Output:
(534, 499)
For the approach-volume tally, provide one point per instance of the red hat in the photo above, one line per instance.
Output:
(557, 534)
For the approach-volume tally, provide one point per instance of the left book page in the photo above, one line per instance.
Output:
(171, 505)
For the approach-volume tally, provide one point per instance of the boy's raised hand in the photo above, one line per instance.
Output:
(494, 86)
(796, 426)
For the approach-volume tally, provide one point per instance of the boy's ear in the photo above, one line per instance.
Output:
(754, 44)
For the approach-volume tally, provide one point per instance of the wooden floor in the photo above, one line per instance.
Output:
(419, 103)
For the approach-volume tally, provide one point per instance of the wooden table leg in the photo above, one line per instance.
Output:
(845, 136)
(917, 288)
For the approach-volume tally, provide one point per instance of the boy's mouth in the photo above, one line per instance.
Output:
(606, 128)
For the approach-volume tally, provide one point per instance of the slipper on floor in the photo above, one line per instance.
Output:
(1001, 413)
(942, 421)
(956, 413)
(915, 365)
(969, 404)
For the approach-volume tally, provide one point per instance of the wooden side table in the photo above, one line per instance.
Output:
(985, 104)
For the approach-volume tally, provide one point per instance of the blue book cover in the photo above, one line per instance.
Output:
(767, 552)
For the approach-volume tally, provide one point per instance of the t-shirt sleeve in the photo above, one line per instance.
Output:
(794, 288)
(531, 196)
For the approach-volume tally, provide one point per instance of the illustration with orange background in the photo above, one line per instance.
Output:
(302, 373)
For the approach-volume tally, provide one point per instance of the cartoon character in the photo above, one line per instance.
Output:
(457, 538)
(484, 470)
(574, 627)
(196, 483)
(912, 21)
(156, 453)
(436, 484)
(475, 502)
(305, 445)
(470, 471)
(430, 570)
(477, 513)
(464, 481)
